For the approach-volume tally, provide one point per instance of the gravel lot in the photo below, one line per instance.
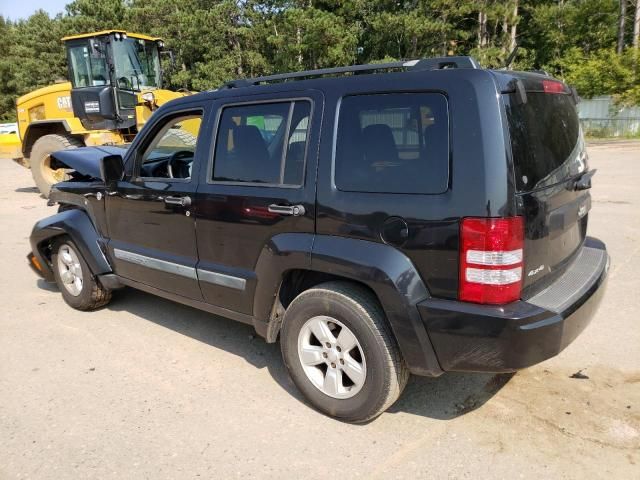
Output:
(146, 388)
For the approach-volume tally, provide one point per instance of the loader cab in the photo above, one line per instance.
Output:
(108, 70)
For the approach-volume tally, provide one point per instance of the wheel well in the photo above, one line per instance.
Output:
(294, 282)
(36, 131)
(46, 246)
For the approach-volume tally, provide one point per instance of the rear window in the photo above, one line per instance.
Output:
(546, 142)
(393, 143)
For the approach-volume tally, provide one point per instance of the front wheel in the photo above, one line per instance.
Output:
(340, 352)
(79, 288)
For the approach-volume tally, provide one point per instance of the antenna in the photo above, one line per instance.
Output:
(511, 56)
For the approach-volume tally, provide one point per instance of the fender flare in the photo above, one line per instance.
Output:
(284, 252)
(77, 224)
(385, 270)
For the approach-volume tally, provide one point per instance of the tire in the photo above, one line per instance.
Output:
(43, 175)
(91, 294)
(343, 304)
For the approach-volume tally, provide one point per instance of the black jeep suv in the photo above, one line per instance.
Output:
(380, 220)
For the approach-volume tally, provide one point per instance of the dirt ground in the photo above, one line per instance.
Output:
(146, 388)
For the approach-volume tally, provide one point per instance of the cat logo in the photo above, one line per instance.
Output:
(64, 103)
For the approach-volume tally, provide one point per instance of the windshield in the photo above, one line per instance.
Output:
(88, 63)
(137, 64)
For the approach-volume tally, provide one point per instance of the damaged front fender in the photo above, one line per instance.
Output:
(79, 227)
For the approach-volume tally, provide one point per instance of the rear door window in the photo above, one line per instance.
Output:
(546, 141)
(262, 143)
(393, 143)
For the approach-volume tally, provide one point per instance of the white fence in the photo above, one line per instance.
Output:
(600, 117)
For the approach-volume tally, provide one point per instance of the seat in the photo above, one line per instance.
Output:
(379, 145)
(436, 140)
(249, 159)
(252, 156)
(379, 161)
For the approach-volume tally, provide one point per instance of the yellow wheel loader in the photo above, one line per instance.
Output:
(115, 85)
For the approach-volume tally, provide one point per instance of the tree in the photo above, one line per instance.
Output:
(85, 16)
(636, 26)
(621, 22)
(214, 41)
(32, 57)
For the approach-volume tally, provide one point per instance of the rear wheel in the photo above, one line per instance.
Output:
(79, 288)
(340, 352)
(40, 160)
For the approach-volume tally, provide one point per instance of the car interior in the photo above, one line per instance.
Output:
(171, 153)
(248, 153)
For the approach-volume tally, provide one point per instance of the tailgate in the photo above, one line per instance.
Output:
(549, 156)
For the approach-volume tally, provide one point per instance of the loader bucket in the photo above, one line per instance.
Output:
(10, 146)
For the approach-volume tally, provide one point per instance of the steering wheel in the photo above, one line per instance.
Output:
(179, 164)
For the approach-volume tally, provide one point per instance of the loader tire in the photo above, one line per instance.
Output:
(40, 160)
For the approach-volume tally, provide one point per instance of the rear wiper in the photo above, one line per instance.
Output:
(584, 181)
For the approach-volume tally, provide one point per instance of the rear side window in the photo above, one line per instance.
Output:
(546, 142)
(393, 143)
(262, 143)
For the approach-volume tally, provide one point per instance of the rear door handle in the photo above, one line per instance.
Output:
(294, 210)
(180, 201)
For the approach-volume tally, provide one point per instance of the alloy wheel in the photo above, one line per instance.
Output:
(331, 357)
(70, 269)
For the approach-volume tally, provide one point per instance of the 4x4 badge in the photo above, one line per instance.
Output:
(582, 211)
(535, 271)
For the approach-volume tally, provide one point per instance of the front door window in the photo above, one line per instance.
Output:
(171, 152)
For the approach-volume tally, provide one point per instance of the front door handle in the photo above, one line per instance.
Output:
(294, 210)
(180, 201)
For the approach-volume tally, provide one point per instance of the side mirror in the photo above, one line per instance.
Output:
(111, 169)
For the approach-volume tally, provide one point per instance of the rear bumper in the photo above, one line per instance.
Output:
(470, 337)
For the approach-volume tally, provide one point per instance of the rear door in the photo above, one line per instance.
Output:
(549, 156)
(259, 183)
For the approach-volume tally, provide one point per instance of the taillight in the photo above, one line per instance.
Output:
(553, 86)
(491, 259)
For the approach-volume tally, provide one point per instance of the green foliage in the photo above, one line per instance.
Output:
(31, 58)
(217, 40)
(307, 38)
(614, 73)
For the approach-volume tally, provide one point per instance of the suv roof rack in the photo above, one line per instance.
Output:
(436, 63)
(541, 72)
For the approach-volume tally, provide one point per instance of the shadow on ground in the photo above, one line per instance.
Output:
(449, 396)
(444, 398)
(27, 190)
(48, 286)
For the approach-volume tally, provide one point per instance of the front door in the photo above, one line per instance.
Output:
(260, 182)
(150, 213)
